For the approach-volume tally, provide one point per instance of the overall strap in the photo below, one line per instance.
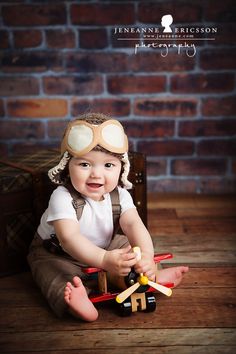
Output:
(116, 209)
(53, 244)
(78, 201)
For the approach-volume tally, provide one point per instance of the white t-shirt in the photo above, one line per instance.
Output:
(96, 222)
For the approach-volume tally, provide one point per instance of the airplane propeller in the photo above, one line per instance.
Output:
(142, 280)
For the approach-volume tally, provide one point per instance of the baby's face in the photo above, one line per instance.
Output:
(95, 174)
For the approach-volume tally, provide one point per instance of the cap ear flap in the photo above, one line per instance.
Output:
(55, 173)
(124, 177)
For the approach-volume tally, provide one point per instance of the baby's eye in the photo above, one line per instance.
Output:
(109, 165)
(84, 164)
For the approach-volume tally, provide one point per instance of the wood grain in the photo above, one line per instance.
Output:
(200, 317)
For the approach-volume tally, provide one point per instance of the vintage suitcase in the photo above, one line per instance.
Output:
(24, 194)
(24, 190)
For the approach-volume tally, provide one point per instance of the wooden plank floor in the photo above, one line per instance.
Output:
(200, 317)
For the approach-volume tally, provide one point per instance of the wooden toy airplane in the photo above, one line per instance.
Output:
(139, 293)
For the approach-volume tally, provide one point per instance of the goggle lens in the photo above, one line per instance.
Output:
(85, 135)
(113, 135)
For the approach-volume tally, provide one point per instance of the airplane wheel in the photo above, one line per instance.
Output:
(150, 302)
(125, 308)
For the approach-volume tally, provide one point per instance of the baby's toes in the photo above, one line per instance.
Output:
(69, 285)
(67, 290)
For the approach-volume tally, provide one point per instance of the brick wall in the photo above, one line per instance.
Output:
(62, 58)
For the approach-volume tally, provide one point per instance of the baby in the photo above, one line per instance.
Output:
(94, 163)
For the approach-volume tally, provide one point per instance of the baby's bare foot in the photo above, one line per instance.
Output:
(172, 275)
(77, 299)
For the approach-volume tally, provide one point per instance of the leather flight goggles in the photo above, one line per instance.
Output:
(81, 137)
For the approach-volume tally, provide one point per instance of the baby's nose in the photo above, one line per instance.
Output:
(96, 172)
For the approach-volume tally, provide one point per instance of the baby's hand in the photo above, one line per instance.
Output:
(147, 266)
(119, 261)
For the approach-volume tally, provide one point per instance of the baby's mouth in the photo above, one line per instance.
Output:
(94, 185)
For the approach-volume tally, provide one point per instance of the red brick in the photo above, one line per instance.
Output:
(157, 128)
(56, 129)
(102, 14)
(223, 185)
(154, 62)
(93, 38)
(11, 129)
(233, 167)
(33, 61)
(223, 127)
(73, 85)
(222, 11)
(156, 168)
(199, 83)
(151, 12)
(1, 108)
(4, 40)
(110, 106)
(165, 107)
(96, 62)
(4, 150)
(166, 148)
(19, 86)
(222, 106)
(121, 40)
(27, 38)
(225, 35)
(34, 15)
(30, 147)
(173, 185)
(37, 108)
(196, 167)
(218, 59)
(60, 38)
(126, 84)
(218, 147)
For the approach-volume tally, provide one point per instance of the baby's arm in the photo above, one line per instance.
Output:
(118, 261)
(138, 235)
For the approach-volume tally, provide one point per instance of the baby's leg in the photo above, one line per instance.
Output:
(119, 241)
(76, 297)
(172, 275)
